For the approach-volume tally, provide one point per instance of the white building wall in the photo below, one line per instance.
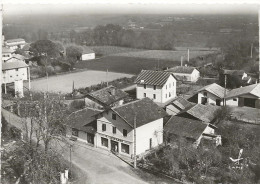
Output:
(211, 98)
(9, 76)
(18, 88)
(89, 56)
(209, 130)
(195, 75)
(152, 130)
(232, 102)
(169, 89)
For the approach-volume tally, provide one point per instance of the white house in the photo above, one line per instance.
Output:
(211, 94)
(87, 54)
(115, 128)
(157, 85)
(248, 96)
(193, 130)
(6, 53)
(15, 71)
(185, 73)
(15, 43)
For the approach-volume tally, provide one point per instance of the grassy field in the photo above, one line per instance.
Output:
(63, 83)
(109, 50)
(125, 64)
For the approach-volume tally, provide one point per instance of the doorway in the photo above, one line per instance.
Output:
(204, 100)
(114, 146)
(218, 101)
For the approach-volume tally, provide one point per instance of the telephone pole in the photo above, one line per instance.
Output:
(188, 55)
(135, 141)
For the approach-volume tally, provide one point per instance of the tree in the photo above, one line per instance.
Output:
(45, 48)
(74, 52)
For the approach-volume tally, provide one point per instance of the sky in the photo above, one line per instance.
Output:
(117, 7)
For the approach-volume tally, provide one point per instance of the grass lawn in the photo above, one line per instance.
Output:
(109, 50)
(246, 114)
(63, 83)
(125, 64)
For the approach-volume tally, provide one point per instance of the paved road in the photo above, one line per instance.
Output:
(100, 166)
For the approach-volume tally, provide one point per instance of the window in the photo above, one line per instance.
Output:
(173, 84)
(234, 99)
(114, 130)
(154, 96)
(124, 132)
(154, 87)
(113, 116)
(150, 143)
(16, 69)
(104, 127)
(165, 95)
(166, 86)
(169, 94)
(75, 132)
(144, 86)
(205, 93)
(104, 142)
(144, 94)
(124, 148)
(170, 85)
(11, 76)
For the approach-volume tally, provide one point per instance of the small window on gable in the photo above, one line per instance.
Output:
(104, 127)
(113, 116)
(154, 87)
(124, 132)
(114, 130)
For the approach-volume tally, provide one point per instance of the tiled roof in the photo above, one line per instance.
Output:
(18, 56)
(145, 111)
(205, 113)
(151, 77)
(181, 103)
(253, 89)
(107, 95)
(14, 40)
(181, 69)
(214, 89)
(84, 120)
(233, 72)
(13, 64)
(185, 127)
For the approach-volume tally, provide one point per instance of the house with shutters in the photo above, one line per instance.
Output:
(159, 86)
(115, 127)
(185, 73)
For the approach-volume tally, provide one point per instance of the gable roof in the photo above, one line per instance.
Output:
(107, 96)
(233, 72)
(181, 103)
(18, 56)
(253, 89)
(13, 65)
(181, 69)
(215, 89)
(145, 111)
(83, 119)
(205, 113)
(151, 77)
(15, 40)
(185, 127)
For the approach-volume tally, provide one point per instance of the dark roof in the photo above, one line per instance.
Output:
(145, 111)
(14, 40)
(181, 103)
(215, 89)
(107, 95)
(234, 72)
(152, 77)
(185, 127)
(19, 56)
(13, 64)
(205, 113)
(181, 69)
(86, 50)
(84, 119)
(253, 89)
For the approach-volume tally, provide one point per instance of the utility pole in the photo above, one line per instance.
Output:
(181, 60)
(188, 55)
(224, 102)
(107, 77)
(134, 140)
(251, 53)
(259, 43)
(70, 155)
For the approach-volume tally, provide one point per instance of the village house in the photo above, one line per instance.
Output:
(15, 43)
(185, 73)
(157, 85)
(192, 130)
(106, 97)
(6, 53)
(178, 105)
(204, 113)
(15, 71)
(248, 96)
(87, 54)
(115, 128)
(83, 125)
(211, 94)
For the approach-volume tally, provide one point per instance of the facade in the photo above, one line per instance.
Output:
(115, 129)
(106, 97)
(15, 71)
(15, 43)
(157, 85)
(248, 96)
(185, 73)
(6, 53)
(211, 94)
(193, 130)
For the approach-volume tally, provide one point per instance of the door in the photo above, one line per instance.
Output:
(90, 138)
(249, 102)
(114, 146)
(218, 101)
(204, 100)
